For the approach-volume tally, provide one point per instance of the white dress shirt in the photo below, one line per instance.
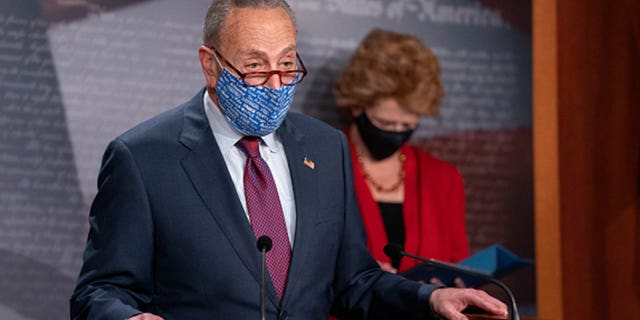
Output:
(272, 152)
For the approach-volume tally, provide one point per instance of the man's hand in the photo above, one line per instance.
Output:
(449, 302)
(146, 316)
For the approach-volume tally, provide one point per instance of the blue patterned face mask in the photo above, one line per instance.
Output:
(253, 111)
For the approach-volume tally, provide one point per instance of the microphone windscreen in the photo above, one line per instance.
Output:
(393, 251)
(264, 242)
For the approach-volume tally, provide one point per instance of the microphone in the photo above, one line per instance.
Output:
(264, 244)
(395, 251)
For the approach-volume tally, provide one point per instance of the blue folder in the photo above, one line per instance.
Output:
(494, 261)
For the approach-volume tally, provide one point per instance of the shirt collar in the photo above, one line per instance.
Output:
(226, 135)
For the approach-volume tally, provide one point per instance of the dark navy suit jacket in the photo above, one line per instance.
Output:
(169, 235)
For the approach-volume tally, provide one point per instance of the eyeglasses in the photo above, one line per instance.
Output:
(260, 78)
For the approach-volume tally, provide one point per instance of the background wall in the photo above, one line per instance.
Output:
(75, 74)
(587, 158)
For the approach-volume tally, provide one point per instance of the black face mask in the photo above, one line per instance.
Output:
(381, 143)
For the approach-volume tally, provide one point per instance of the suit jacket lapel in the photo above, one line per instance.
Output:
(208, 172)
(304, 183)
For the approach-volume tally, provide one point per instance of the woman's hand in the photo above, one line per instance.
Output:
(146, 316)
(458, 282)
(386, 266)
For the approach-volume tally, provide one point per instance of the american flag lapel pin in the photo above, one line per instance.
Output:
(309, 163)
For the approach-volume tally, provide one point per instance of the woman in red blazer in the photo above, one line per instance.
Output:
(405, 195)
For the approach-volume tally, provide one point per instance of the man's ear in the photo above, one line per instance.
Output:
(210, 67)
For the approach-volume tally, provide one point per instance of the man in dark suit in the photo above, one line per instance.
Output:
(175, 221)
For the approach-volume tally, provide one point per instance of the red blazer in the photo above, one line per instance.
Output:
(433, 209)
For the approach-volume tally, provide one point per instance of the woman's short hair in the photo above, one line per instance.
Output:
(391, 65)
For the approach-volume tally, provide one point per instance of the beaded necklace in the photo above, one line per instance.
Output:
(380, 187)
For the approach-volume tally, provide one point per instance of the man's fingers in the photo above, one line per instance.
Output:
(452, 314)
(449, 302)
(484, 301)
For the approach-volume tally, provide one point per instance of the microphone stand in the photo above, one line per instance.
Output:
(264, 244)
(262, 284)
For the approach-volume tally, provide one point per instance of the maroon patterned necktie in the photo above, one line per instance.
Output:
(265, 211)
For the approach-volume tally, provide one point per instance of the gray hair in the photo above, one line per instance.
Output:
(219, 11)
